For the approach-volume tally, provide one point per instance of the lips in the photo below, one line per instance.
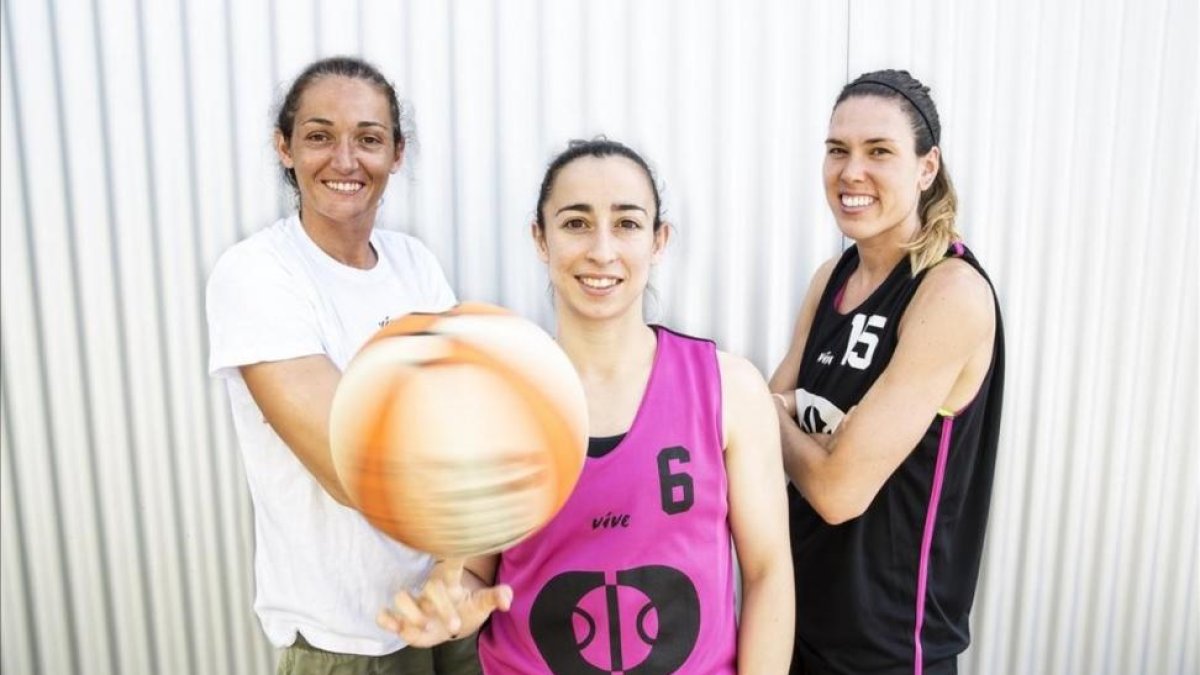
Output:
(598, 283)
(345, 187)
(857, 201)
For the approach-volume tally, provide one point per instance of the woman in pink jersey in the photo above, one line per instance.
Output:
(636, 573)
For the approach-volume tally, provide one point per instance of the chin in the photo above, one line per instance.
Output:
(859, 230)
(854, 231)
(597, 311)
(348, 215)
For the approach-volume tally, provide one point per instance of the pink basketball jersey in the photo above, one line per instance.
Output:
(635, 573)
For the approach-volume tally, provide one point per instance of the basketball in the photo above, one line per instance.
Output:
(459, 433)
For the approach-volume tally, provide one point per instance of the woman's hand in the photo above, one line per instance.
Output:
(450, 605)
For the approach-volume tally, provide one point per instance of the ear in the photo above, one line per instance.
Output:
(399, 158)
(660, 241)
(283, 150)
(539, 242)
(930, 163)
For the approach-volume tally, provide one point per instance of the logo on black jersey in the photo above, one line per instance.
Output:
(818, 415)
(812, 421)
(644, 624)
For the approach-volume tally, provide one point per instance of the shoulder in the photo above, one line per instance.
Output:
(954, 292)
(411, 258)
(812, 297)
(820, 278)
(258, 254)
(958, 282)
(739, 377)
(404, 246)
(746, 407)
(681, 338)
(261, 267)
(396, 239)
(825, 271)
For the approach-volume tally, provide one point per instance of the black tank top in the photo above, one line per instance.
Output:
(858, 608)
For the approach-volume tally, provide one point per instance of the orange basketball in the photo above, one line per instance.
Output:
(459, 433)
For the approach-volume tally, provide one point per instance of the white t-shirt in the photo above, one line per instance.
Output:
(320, 568)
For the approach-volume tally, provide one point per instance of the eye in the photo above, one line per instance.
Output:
(317, 137)
(372, 140)
(629, 224)
(880, 152)
(835, 151)
(574, 224)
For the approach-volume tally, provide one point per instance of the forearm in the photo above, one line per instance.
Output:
(295, 397)
(786, 400)
(817, 473)
(767, 626)
(803, 453)
(318, 459)
(308, 439)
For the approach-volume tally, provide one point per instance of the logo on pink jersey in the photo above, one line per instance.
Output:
(641, 621)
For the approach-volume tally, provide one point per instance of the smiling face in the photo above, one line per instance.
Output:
(599, 241)
(873, 176)
(342, 151)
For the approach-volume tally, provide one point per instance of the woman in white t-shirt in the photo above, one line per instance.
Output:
(287, 308)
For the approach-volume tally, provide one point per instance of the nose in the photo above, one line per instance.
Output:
(603, 249)
(853, 168)
(343, 157)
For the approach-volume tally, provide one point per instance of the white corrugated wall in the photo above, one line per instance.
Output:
(136, 147)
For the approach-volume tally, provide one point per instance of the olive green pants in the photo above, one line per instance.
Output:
(452, 658)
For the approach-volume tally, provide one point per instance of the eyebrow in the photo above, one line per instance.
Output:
(325, 122)
(587, 208)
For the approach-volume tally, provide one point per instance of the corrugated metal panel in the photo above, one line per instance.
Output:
(136, 147)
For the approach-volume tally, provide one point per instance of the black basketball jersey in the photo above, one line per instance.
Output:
(890, 591)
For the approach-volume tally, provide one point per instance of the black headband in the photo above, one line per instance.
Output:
(906, 98)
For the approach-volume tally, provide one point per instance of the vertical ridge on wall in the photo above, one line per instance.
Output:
(208, 202)
(1151, 460)
(496, 165)
(163, 424)
(51, 578)
(519, 154)
(123, 487)
(17, 619)
(457, 278)
(1181, 619)
(102, 644)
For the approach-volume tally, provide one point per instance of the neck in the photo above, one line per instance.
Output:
(876, 261)
(347, 243)
(880, 254)
(606, 348)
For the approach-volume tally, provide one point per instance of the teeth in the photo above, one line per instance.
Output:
(857, 200)
(343, 186)
(592, 282)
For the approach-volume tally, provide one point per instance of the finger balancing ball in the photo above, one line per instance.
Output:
(459, 433)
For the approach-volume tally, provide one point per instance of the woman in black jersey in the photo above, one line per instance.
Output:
(889, 401)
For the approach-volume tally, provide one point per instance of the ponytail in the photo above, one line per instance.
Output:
(937, 209)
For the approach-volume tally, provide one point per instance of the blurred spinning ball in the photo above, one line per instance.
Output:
(459, 433)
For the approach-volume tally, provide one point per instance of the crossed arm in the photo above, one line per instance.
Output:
(944, 348)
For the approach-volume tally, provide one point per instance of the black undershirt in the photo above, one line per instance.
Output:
(599, 446)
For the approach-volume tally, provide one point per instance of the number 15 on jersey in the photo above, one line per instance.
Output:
(862, 343)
